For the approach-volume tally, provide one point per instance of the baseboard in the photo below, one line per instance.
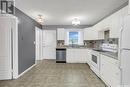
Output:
(76, 62)
(26, 70)
(60, 61)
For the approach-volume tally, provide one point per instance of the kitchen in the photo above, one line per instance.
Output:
(101, 46)
(98, 46)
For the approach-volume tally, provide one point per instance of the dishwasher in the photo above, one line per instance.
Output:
(60, 55)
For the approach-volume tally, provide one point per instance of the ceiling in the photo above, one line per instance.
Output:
(62, 12)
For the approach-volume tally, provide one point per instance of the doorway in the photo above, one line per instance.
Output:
(38, 44)
(49, 44)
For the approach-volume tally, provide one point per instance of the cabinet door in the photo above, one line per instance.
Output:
(87, 33)
(117, 22)
(94, 34)
(60, 34)
(70, 56)
(109, 72)
(76, 56)
(81, 56)
(90, 34)
(88, 57)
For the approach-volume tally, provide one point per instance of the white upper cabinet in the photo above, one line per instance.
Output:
(94, 33)
(60, 34)
(113, 23)
(90, 33)
(117, 22)
(87, 35)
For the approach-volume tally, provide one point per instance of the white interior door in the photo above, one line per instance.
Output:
(38, 44)
(5, 49)
(49, 44)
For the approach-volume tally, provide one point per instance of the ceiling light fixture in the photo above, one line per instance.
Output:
(40, 19)
(75, 21)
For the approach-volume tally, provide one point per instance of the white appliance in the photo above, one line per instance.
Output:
(125, 53)
(95, 56)
(8, 47)
(95, 62)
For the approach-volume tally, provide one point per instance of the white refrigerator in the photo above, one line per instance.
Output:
(125, 53)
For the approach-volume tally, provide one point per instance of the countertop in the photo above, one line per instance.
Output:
(106, 53)
(67, 47)
(110, 54)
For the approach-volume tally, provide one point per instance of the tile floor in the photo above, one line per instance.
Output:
(47, 73)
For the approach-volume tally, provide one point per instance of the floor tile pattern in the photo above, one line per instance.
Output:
(47, 73)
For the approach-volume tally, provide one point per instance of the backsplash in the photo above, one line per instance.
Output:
(92, 43)
(111, 41)
(60, 43)
(98, 43)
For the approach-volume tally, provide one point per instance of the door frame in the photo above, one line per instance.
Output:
(44, 43)
(15, 48)
(38, 33)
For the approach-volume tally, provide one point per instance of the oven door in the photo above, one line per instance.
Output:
(95, 60)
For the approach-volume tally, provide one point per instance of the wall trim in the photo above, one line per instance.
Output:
(54, 27)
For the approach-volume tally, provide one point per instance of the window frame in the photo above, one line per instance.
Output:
(76, 43)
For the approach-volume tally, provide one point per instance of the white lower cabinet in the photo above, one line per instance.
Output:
(109, 71)
(88, 56)
(76, 55)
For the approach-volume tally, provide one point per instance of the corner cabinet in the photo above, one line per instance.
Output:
(60, 34)
(90, 33)
(109, 71)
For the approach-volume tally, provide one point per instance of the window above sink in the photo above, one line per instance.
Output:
(73, 37)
